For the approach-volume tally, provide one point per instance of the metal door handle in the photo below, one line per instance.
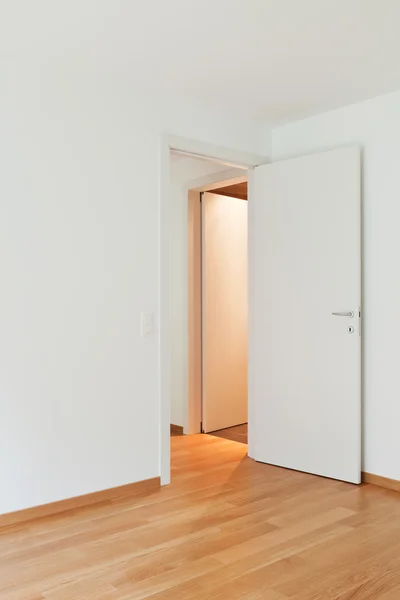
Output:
(348, 313)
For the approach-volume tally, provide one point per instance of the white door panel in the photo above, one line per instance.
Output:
(224, 252)
(306, 264)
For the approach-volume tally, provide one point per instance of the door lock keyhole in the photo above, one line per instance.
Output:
(350, 329)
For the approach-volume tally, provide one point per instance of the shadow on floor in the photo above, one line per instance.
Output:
(235, 434)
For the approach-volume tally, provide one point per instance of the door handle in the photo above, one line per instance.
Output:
(347, 313)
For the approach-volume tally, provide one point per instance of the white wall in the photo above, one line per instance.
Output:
(375, 125)
(79, 248)
(185, 172)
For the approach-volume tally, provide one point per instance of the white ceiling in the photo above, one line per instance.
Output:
(275, 60)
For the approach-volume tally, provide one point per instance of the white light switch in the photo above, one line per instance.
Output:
(147, 324)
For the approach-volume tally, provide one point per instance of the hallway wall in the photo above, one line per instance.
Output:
(184, 170)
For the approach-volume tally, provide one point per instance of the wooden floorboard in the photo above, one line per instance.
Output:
(227, 528)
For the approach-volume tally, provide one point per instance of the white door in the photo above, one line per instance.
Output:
(224, 261)
(305, 266)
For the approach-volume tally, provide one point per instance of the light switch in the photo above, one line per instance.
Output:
(147, 324)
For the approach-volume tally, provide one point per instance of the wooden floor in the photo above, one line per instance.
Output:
(227, 528)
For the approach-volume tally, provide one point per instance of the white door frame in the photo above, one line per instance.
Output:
(230, 157)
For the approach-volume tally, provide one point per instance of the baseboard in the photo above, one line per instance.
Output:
(176, 429)
(131, 490)
(384, 482)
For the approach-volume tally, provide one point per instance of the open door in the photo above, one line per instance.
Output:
(224, 266)
(305, 286)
